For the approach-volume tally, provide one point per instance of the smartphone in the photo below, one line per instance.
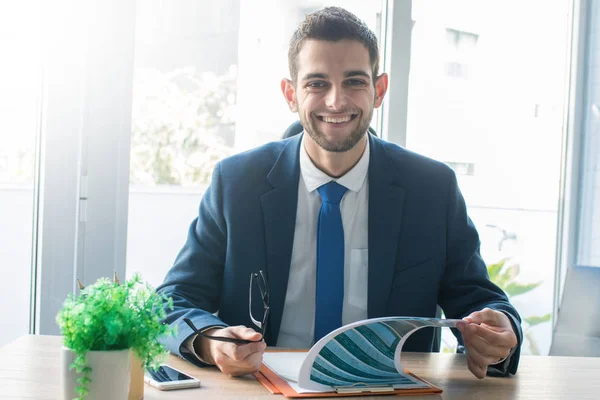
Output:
(168, 378)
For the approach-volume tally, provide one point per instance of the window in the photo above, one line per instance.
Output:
(206, 85)
(460, 49)
(484, 98)
(589, 214)
(462, 168)
(487, 118)
(20, 91)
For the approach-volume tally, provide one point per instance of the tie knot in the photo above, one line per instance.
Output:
(332, 192)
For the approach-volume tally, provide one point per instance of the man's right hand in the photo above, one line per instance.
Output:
(232, 359)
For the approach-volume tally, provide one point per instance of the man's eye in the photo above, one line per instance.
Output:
(316, 84)
(356, 82)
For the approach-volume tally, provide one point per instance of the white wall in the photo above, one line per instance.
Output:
(159, 219)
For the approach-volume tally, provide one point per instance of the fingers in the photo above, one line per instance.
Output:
(491, 326)
(254, 361)
(238, 368)
(493, 337)
(243, 332)
(477, 359)
(488, 334)
(494, 352)
(475, 368)
(237, 360)
(483, 354)
(486, 343)
(240, 352)
(232, 367)
(490, 317)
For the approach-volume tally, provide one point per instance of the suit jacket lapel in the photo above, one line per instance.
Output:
(386, 200)
(279, 213)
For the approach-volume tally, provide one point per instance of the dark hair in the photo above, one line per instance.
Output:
(332, 24)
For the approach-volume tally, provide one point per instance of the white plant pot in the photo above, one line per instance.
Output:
(109, 375)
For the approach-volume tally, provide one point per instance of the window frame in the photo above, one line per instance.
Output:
(567, 234)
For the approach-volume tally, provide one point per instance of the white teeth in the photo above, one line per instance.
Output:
(337, 120)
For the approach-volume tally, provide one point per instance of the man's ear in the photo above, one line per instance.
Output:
(381, 86)
(289, 92)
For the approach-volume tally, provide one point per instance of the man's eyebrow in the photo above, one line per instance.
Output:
(314, 75)
(348, 74)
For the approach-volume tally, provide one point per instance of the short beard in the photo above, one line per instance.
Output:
(339, 147)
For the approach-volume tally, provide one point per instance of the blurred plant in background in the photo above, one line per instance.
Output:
(505, 276)
(183, 123)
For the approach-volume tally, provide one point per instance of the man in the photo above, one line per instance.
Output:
(395, 242)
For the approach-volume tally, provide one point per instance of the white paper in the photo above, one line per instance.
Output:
(287, 365)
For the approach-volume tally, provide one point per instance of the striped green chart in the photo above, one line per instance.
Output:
(364, 355)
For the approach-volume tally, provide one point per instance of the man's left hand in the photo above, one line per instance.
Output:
(488, 337)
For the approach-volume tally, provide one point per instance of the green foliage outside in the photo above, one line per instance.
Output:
(180, 123)
(110, 316)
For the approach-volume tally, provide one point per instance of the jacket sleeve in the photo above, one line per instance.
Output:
(195, 280)
(466, 286)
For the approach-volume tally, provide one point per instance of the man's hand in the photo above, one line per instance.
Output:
(232, 359)
(488, 337)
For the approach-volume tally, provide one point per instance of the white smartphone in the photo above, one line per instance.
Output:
(168, 378)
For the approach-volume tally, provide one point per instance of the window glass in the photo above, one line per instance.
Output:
(589, 218)
(20, 91)
(206, 85)
(487, 84)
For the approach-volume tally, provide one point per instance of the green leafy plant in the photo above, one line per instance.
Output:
(505, 276)
(112, 316)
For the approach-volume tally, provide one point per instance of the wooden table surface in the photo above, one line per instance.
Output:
(29, 369)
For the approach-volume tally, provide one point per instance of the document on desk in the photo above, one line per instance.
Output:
(358, 357)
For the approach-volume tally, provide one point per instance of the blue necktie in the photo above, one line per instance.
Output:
(330, 261)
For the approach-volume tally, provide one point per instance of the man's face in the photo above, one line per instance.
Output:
(334, 93)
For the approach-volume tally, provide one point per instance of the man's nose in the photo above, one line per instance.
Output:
(336, 98)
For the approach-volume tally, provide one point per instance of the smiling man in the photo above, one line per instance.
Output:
(339, 226)
(334, 89)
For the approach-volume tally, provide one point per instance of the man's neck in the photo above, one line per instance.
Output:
(334, 164)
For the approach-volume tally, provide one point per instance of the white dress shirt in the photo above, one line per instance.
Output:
(298, 321)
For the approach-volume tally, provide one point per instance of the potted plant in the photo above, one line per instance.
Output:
(100, 328)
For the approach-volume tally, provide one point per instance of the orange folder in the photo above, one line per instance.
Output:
(277, 385)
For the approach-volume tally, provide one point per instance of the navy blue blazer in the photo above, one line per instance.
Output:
(423, 248)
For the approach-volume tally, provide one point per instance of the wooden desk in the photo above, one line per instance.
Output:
(29, 369)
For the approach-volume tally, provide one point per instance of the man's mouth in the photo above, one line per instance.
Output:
(340, 119)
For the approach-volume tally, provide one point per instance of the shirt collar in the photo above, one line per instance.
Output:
(313, 177)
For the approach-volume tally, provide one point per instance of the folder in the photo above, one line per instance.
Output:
(276, 385)
(361, 358)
